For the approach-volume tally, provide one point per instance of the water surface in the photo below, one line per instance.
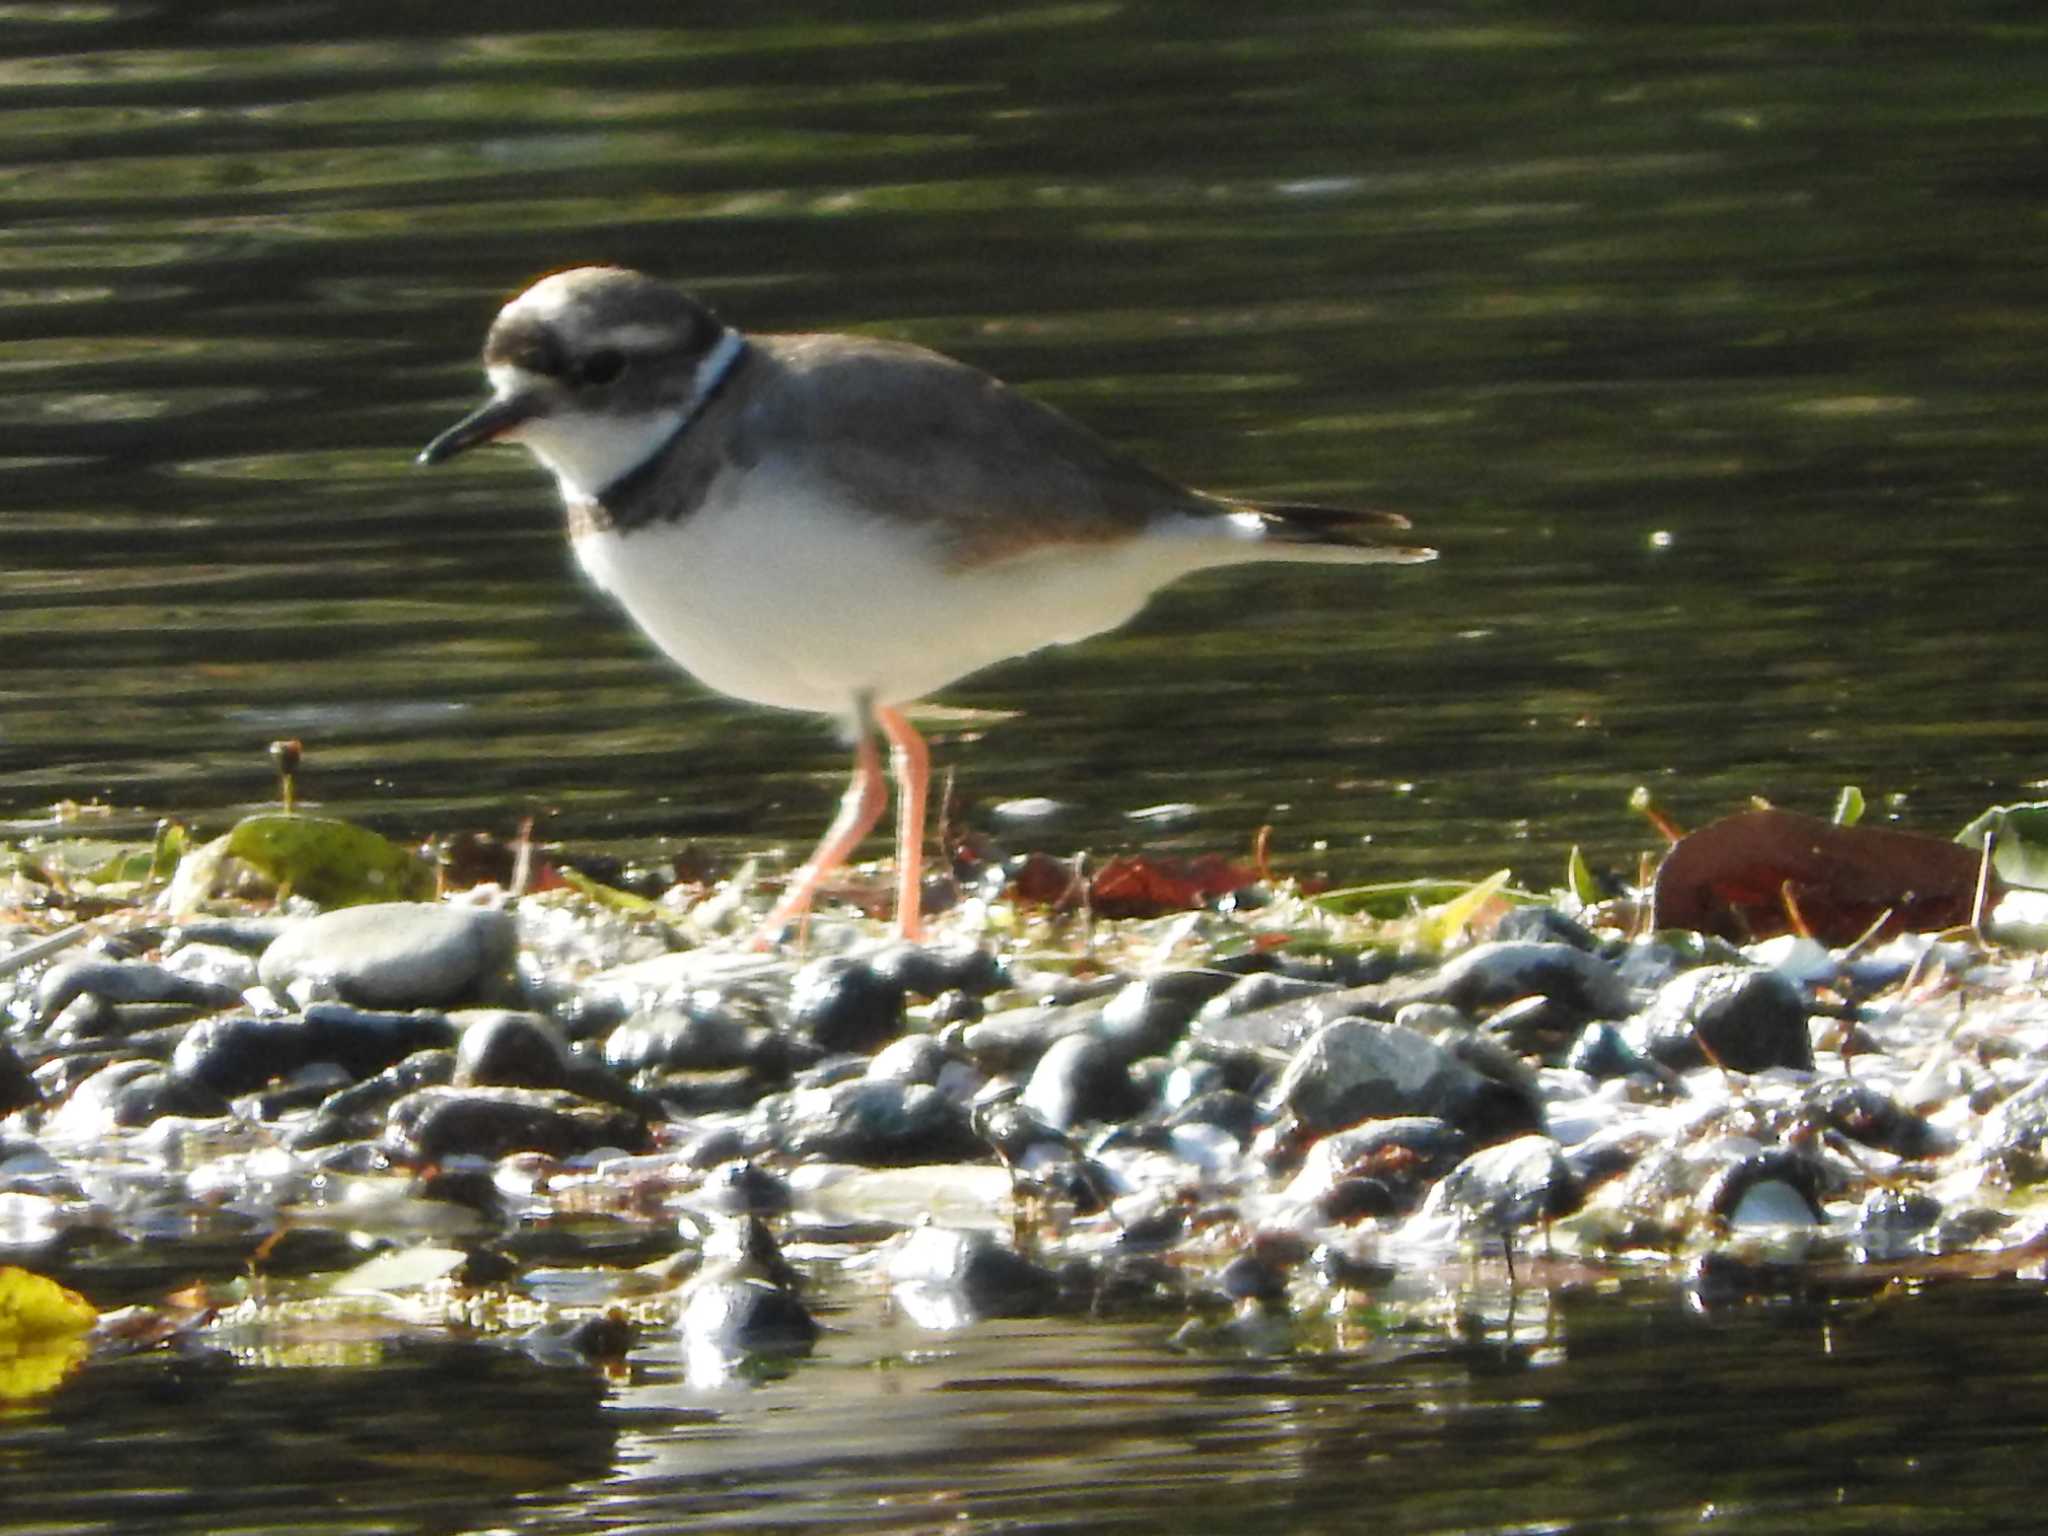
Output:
(1707, 352)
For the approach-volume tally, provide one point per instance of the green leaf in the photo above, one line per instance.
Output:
(172, 843)
(1848, 806)
(1580, 880)
(2021, 854)
(606, 895)
(334, 863)
(1403, 898)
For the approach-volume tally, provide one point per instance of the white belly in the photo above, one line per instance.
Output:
(795, 606)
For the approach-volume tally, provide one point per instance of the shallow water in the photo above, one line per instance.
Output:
(1620, 1411)
(1708, 352)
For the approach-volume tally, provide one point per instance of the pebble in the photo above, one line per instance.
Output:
(840, 1004)
(1018, 1140)
(431, 1125)
(1353, 1069)
(400, 954)
(1744, 1018)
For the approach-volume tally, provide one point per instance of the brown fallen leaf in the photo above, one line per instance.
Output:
(1757, 874)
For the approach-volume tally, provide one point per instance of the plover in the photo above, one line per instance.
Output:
(842, 524)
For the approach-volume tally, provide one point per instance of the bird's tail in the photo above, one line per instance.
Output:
(1296, 531)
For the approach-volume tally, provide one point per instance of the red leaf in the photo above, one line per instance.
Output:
(1733, 877)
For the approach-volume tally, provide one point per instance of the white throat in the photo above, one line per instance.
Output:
(588, 452)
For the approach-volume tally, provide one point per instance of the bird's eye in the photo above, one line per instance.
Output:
(602, 367)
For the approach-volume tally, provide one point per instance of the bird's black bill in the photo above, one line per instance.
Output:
(487, 423)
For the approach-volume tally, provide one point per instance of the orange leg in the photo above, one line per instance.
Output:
(912, 761)
(859, 809)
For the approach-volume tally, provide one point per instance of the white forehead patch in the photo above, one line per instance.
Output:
(508, 379)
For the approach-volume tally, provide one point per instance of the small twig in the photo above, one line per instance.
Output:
(1262, 843)
(1788, 894)
(522, 857)
(1868, 936)
(43, 948)
(1982, 899)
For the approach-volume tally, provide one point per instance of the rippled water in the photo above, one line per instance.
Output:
(1591, 1413)
(1708, 351)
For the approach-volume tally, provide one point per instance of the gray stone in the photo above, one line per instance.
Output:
(1740, 1017)
(1489, 975)
(1357, 1069)
(1515, 1184)
(400, 954)
(126, 981)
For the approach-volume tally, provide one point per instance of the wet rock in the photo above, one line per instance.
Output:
(502, 1047)
(2013, 1137)
(1263, 989)
(17, 1088)
(1544, 925)
(726, 1319)
(845, 1005)
(702, 1035)
(127, 1094)
(86, 1017)
(119, 982)
(1866, 1113)
(1771, 1188)
(1892, 1224)
(721, 1144)
(1247, 1044)
(366, 1041)
(1488, 976)
(1519, 1183)
(1356, 1069)
(401, 954)
(1012, 1040)
(1190, 1080)
(245, 935)
(945, 1276)
(1402, 1157)
(1082, 1078)
(1237, 1114)
(579, 1340)
(234, 1054)
(1509, 1098)
(955, 1008)
(434, 1124)
(214, 965)
(1147, 1016)
(866, 1120)
(1539, 1027)
(1602, 1051)
(1740, 1017)
(911, 1059)
(1252, 1277)
(307, 1088)
(361, 1109)
(743, 1188)
(933, 970)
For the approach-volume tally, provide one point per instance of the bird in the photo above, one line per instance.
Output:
(845, 524)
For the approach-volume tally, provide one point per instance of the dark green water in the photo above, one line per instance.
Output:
(1908, 1415)
(1709, 351)
(1709, 354)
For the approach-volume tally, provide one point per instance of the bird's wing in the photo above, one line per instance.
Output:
(922, 438)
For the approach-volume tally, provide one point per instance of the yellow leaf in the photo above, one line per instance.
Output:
(43, 1330)
(1442, 924)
